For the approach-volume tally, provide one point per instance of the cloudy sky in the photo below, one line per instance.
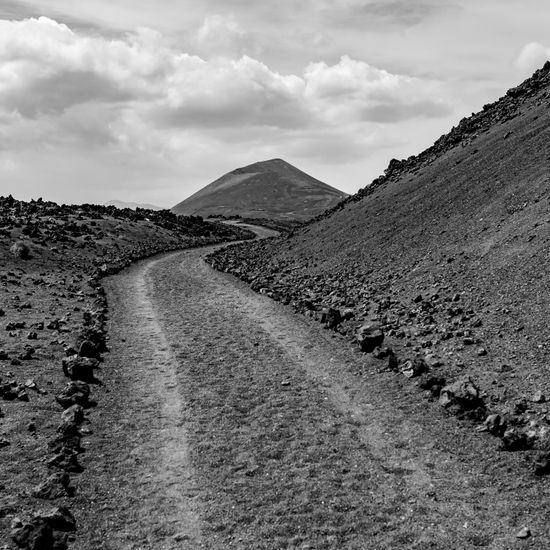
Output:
(150, 100)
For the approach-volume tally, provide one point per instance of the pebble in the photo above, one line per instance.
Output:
(538, 397)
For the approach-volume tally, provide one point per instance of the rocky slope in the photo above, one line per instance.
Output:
(441, 267)
(132, 205)
(271, 189)
(52, 321)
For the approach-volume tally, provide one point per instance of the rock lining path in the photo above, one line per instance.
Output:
(226, 421)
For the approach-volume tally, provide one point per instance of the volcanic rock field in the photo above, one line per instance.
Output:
(165, 404)
(52, 313)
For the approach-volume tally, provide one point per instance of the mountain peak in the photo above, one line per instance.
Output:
(271, 188)
(271, 165)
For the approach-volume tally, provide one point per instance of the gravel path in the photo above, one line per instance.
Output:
(228, 422)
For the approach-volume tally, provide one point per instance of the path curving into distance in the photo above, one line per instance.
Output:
(226, 421)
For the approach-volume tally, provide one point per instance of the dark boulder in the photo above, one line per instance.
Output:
(88, 349)
(45, 531)
(414, 367)
(75, 393)
(21, 250)
(462, 398)
(55, 486)
(369, 337)
(516, 439)
(80, 368)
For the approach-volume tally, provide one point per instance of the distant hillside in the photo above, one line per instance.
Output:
(271, 189)
(133, 205)
(447, 252)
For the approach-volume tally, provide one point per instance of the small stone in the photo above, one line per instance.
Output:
(382, 353)
(31, 384)
(433, 361)
(515, 439)
(433, 384)
(88, 349)
(462, 398)
(4, 442)
(413, 368)
(495, 424)
(55, 486)
(73, 415)
(65, 461)
(481, 352)
(393, 362)
(79, 368)
(523, 533)
(60, 519)
(21, 250)
(76, 392)
(542, 463)
(27, 354)
(332, 317)
(15, 325)
(538, 397)
(22, 394)
(370, 336)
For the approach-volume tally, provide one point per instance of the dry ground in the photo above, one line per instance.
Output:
(226, 421)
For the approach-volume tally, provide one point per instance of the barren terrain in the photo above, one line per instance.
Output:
(52, 315)
(226, 421)
(445, 258)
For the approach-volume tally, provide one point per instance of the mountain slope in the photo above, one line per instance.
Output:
(448, 251)
(269, 189)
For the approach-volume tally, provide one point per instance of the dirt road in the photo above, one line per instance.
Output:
(225, 421)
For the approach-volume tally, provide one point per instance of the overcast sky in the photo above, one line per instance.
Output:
(150, 100)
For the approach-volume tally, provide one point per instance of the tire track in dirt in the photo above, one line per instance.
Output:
(236, 424)
(146, 441)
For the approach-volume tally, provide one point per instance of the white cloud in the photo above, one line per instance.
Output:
(48, 70)
(136, 95)
(352, 90)
(531, 57)
(221, 35)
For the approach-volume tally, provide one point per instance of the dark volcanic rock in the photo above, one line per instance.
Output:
(516, 439)
(433, 384)
(495, 424)
(88, 349)
(75, 393)
(46, 531)
(542, 463)
(80, 368)
(462, 399)
(414, 367)
(21, 250)
(55, 486)
(369, 337)
(73, 415)
(66, 461)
